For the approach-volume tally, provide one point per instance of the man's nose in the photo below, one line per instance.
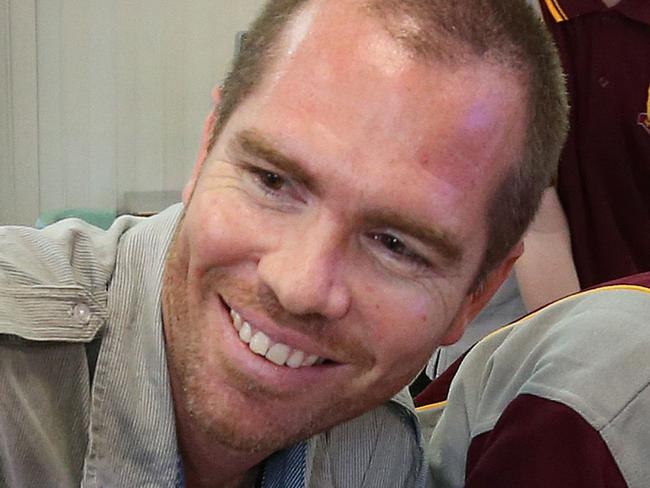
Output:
(305, 270)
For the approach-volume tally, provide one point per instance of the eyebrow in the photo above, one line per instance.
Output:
(256, 145)
(438, 240)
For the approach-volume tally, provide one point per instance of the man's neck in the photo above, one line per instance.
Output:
(611, 3)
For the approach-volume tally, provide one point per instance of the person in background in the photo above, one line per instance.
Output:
(558, 398)
(604, 172)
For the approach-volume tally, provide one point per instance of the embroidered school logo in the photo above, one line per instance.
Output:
(644, 119)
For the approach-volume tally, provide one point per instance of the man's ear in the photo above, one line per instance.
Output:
(206, 136)
(477, 299)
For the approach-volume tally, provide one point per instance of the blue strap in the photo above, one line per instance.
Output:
(286, 468)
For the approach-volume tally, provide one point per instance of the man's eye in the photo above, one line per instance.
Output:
(390, 242)
(400, 250)
(271, 185)
(270, 180)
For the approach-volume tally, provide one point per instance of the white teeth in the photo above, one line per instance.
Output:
(278, 353)
(296, 358)
(310, 360)
(236, 319)
(246, 333)
(260, 343)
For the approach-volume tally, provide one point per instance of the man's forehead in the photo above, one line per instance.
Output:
(326, 39)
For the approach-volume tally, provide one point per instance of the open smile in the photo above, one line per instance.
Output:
(278, 353)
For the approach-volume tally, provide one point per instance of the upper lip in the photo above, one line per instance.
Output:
(282, 334)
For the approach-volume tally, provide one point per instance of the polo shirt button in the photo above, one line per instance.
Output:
(81, 313)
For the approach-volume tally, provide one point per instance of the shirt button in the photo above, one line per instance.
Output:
(81, 313)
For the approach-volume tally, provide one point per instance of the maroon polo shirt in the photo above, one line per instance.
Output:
(604, 173)
(536, 441)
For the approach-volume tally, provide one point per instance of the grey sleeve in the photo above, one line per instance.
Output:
(44, 274)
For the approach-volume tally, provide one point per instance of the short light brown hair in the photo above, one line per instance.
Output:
(506, 32)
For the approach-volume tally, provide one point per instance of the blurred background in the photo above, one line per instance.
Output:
(102, 101)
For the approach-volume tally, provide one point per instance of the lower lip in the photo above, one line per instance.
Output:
(280, 378)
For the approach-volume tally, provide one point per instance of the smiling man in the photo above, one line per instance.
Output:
(370, 171)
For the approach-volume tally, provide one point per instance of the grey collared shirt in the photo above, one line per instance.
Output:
(69, 284)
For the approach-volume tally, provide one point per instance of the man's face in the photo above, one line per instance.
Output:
(336, 227)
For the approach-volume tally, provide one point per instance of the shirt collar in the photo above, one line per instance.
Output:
(563, 10)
